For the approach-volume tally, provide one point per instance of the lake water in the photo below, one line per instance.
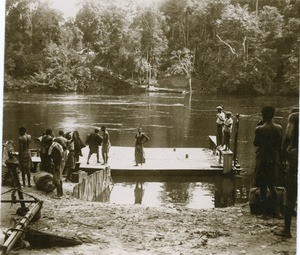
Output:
(170, 120)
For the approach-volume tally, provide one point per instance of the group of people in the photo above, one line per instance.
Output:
(276, 155)
(94, 140)
(273, 151)
(59, 154)
(224, 128)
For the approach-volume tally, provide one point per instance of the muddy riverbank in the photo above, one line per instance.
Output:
(137, 229)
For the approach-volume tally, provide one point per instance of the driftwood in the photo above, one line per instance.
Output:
(93, 185)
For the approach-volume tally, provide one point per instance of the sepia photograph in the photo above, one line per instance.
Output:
(153, 127)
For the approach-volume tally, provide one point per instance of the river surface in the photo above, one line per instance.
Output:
(170, 120)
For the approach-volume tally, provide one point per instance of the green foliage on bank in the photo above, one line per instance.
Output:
(230, 46)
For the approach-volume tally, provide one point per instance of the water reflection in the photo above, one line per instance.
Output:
(225, 192)
(138, 193)
(191, 192)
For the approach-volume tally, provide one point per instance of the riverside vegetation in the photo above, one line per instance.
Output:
(227, 46)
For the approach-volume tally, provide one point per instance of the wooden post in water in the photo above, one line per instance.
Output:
(236, 140)
(227, 161)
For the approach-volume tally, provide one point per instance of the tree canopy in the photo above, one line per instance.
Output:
(230, 46)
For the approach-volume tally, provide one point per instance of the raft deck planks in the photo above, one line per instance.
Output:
(181, 161)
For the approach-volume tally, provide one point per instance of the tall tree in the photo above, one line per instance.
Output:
(150, 23)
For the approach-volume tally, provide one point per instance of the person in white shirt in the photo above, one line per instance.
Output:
(220, 122)
(227, 129)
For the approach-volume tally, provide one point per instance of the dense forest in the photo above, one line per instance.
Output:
(226, 46)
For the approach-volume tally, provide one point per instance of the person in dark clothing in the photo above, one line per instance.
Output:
(24, 155)
(140, 139)
(94, 140)
(290, 154)
(55, 152)
(45, 159)
(78, 145)
(71, 162)
(63, 142)
(268, 140)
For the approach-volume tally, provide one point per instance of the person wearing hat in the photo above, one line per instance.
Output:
(227, 129)
(220, 122)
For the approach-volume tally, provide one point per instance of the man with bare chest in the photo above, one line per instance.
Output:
(268, 140)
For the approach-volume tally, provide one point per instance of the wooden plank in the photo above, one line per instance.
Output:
(213, 139)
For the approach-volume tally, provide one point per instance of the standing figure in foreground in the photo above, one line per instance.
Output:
(45, 159)
(227, 130)
(63, 142)
(78, 145)
(105, 145)
(268, 140)
(71, 162)
(220, 122)
(290, 152)
(94, 140)
(24, 155)
(140, 139)
(56, 154)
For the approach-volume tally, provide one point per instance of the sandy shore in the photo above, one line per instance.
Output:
(137, 229)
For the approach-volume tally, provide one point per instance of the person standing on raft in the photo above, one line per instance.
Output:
(94, 140)
(105, 145)
(220, 122)
(140, 139)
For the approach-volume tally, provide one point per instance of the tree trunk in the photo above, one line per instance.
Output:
(149, 79)
(190, 85)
